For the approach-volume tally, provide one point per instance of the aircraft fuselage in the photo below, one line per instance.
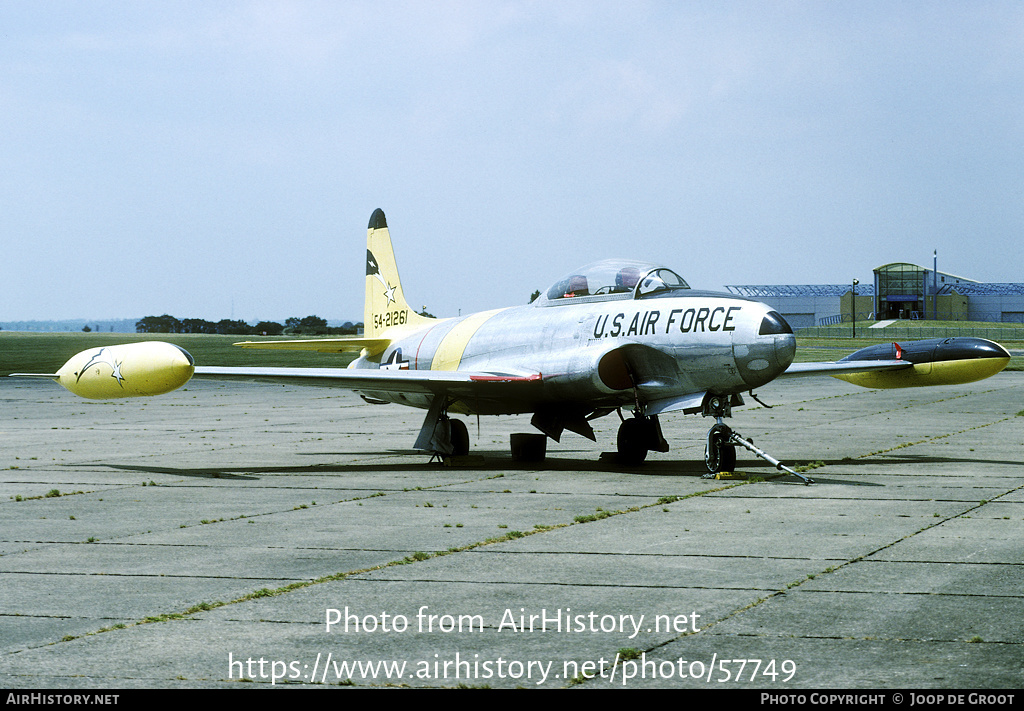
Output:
(600, 350)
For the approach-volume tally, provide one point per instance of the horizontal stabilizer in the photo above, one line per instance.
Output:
(373, 346)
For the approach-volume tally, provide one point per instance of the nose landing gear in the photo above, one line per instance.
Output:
(720, 452)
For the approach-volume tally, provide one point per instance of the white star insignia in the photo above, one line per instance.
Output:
(117, 373)
(389, 291)
(103, 356)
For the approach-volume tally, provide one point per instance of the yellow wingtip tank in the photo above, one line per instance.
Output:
(130, 370)
(950, 361)
(953, 372)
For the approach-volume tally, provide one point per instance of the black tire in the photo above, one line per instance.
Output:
(719, 456)
(728, 458)
(632, 441)
(460, 438)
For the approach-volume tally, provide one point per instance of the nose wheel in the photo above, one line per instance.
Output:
(720, 453)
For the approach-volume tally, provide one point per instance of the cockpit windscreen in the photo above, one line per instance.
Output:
(614, 278)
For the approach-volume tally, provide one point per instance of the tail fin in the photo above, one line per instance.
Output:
(385, 304)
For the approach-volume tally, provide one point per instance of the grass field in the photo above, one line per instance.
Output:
(22, 352)
(907, 329)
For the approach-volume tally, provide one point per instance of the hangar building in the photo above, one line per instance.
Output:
(898, 290)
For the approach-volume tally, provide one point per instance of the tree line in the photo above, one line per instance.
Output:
(308, 326)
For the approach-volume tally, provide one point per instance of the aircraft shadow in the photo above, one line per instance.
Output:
(915, 459)
(485, 462)
(202, 473)
(499, 461)
(925, 459)
(488, 464)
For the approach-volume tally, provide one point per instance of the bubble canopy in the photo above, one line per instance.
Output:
(613, 279)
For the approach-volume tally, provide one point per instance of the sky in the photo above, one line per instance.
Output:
(222, 160)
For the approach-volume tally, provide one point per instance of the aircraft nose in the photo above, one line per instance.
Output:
(768, 353)
(785, 350)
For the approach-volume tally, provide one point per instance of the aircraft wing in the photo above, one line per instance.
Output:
(459, 384)
(797, 370)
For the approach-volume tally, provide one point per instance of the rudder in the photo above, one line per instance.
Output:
(385, 305)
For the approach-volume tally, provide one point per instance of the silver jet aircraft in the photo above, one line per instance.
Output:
(610, 336)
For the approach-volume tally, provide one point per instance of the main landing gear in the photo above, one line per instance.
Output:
(637, 436)
(459, 434)
(441, 434)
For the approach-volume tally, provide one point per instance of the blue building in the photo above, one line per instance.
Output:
(897, 291)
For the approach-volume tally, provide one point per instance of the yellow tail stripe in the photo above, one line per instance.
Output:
(453, 345)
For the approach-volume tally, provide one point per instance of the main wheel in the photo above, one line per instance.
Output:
(632, 441)
(460, 438)
(718, 454)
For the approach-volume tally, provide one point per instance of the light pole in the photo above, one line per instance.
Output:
(853, 307)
